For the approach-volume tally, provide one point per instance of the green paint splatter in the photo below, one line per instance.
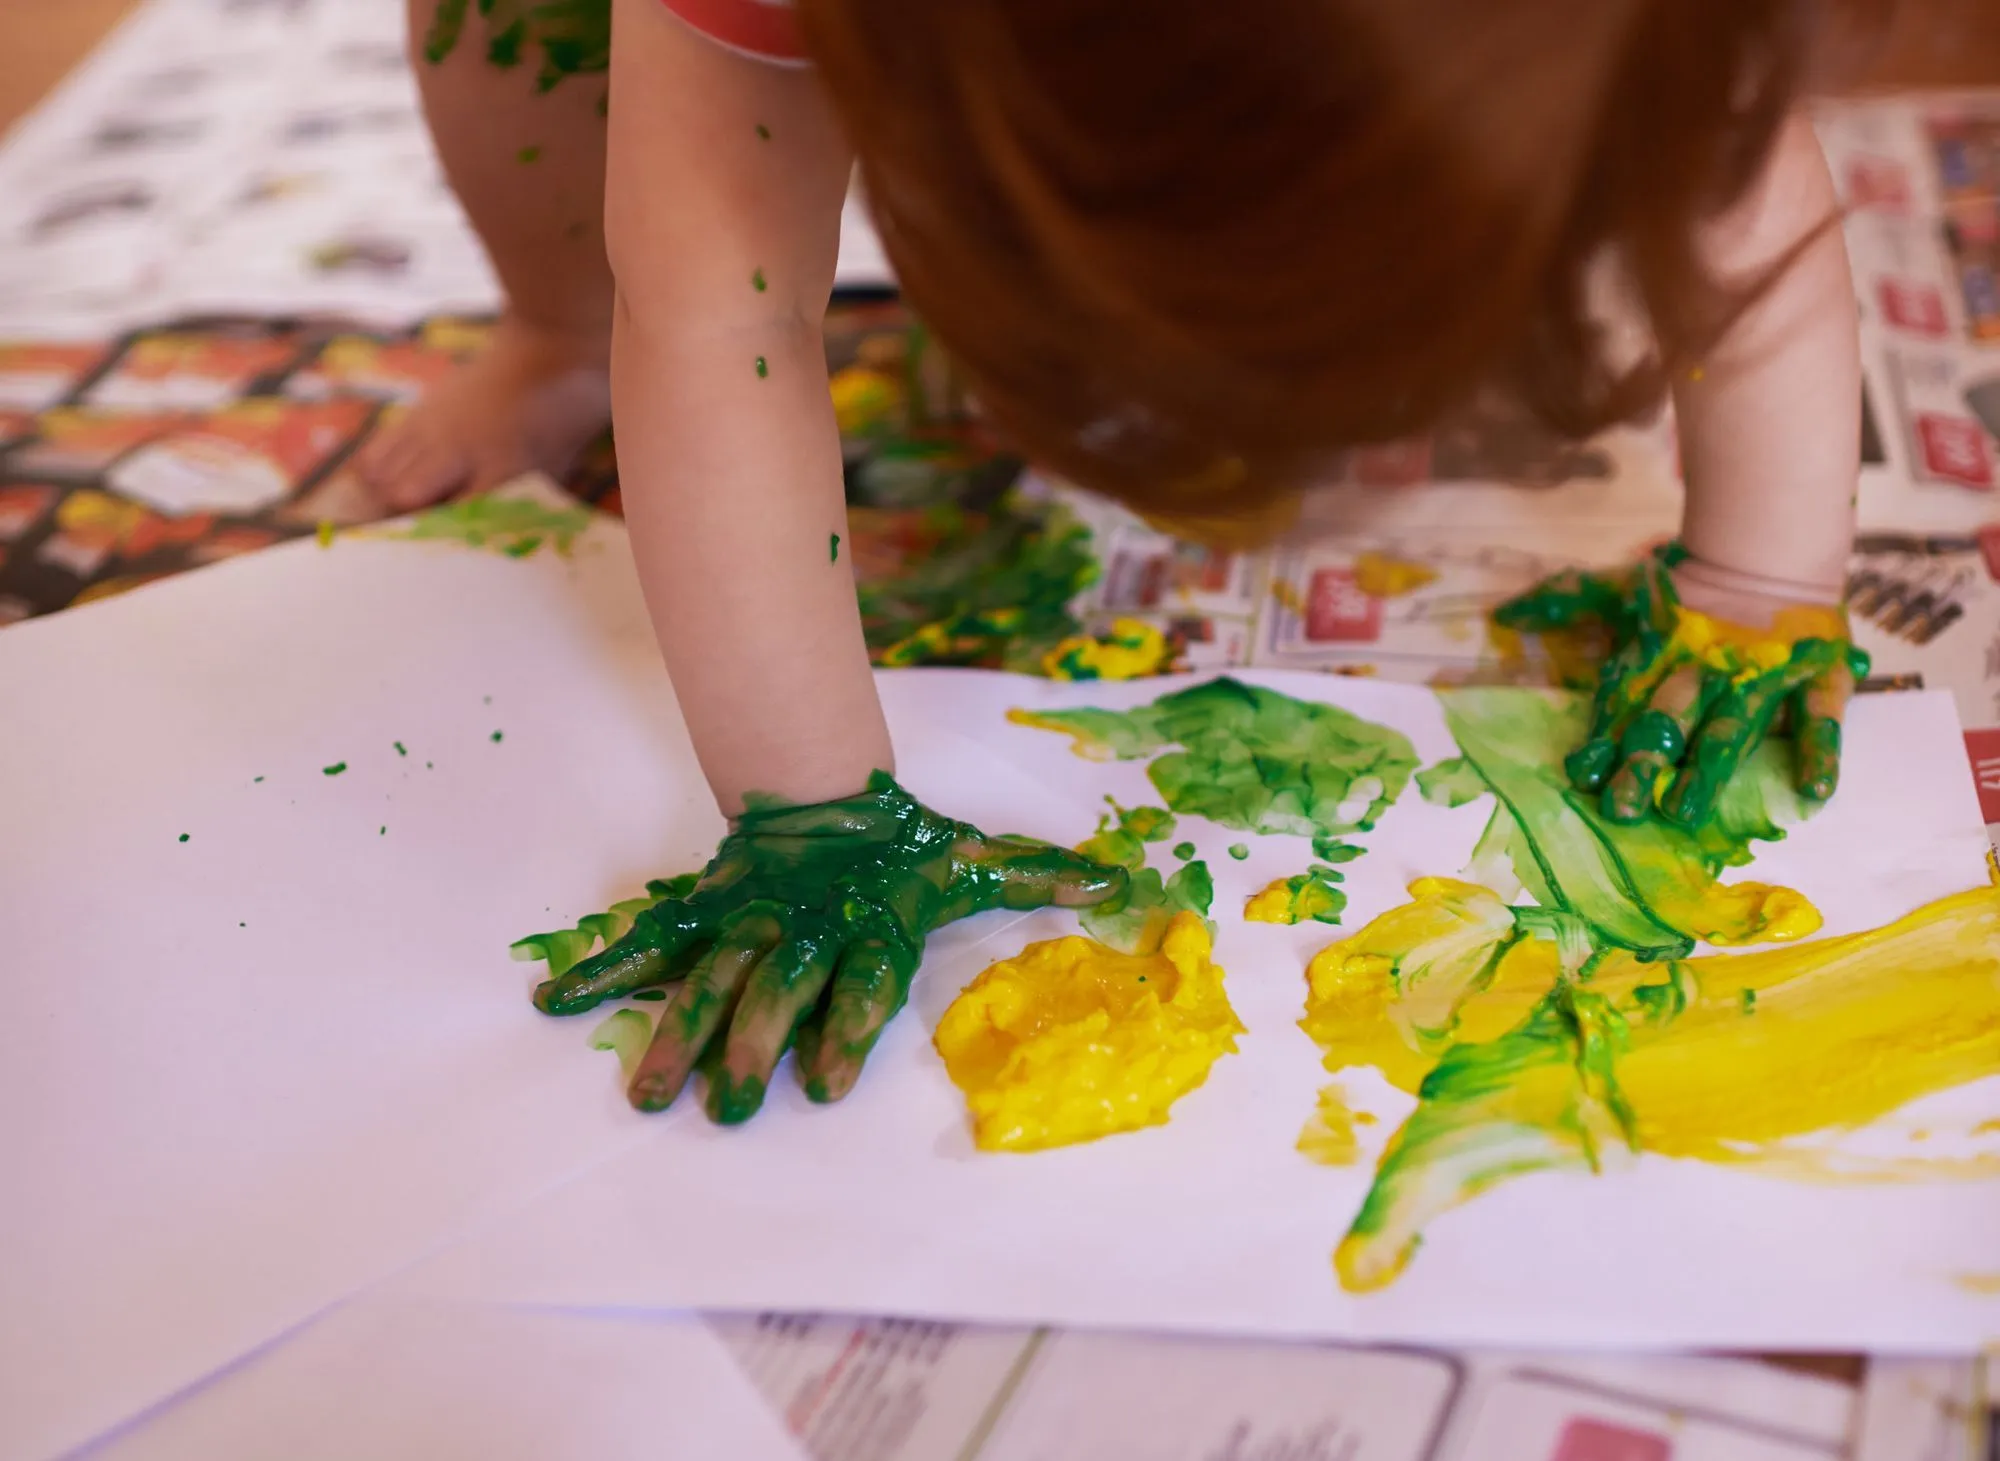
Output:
(334, 770)
(833, 548)
(382, 832)
(763, 370)
(496, 738)
(1451, 783)
(1251, 758)
(528, 155)
(763, 133)
(573, 36)
(625, 1032)
(1239, 850)
(516, 526)
(1311, 895)
(1184, 850)
(400, 749)
(757, 280)
(256, 779)
(1334, 850)
(184, 836)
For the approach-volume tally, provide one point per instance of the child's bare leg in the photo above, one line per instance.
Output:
(529, 169)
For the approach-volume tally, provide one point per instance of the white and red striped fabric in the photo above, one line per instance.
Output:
(766, 30)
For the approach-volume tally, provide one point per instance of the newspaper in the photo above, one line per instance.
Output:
(1930, 1410)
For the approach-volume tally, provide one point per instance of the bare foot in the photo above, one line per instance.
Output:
(531, 400)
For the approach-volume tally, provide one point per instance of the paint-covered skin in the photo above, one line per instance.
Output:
(1683, 698)
(1250, 758)
(1311, 896)
(1069, 1041)
(573, 36)
(804, 930)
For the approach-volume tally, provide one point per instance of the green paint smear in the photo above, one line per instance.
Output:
(527, 155)
(763, 370)
(400, 750)
(833, 548)
(993, 591)
(334, 770)
(1313, 895)
(1333, 850)
(1251, 758)
(573, 36)
(1600, 886)
(1239, 850)
(563, 948)
(1184, 850)
(498, 736)
(184, 836)
(516, 526)
(628, 1032)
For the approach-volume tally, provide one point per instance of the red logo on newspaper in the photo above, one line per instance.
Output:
(1955, 450)
(1338, 612)
(1878, 182)
(1918, 308)
(1983, 746)
(1989, 549)
(1394, 464)
(1596, 1440)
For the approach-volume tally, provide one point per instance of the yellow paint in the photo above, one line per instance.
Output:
(1556, 1057)
(1069, 1040)
(1382, 577)
(1285, 594)
(865, 399)
(1728, 914)
(1132, 650)
(1571, 657)
(1985, 1285)
(1302, 899)
(1741, 651)
(323, 534)
(1328, 1137)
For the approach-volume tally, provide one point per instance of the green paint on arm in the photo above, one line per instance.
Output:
(763, 369)
(528, 154)
(757, 280)
(763, 133)
(516, 526)
(334, 770)
(833, 548)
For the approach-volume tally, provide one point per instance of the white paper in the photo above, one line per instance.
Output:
(266, 1066)
(385, 1377)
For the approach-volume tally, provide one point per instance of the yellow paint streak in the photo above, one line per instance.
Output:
(1727, 914)
(1293, 900)
(1069, 1040)
(1841, 1032)
(1382, 577)
(1328, 1136)
(1133, 649)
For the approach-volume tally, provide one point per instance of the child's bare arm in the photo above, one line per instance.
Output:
(1771, 422)
(724, 188)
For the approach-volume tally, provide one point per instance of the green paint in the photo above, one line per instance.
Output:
(794, 895)
(184, 836)
(573, 36)
(516, 526)
(993, 590)
(1184, 850)
(627, 1032)
(833, 548)
(1451, 783)
(757, 280)
(496, 737)
(1251, 758)
(1136, 922)
(1334, 850)
(653, 995)
(383, 832)
(1239, 850)
(334, 770)
(1311, 895)
(256, 779)
(763, 133)
(429, 767)
(400, 750)
(529, 154)
(1748, 1000)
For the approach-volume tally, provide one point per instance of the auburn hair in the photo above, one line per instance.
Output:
(1184, 251)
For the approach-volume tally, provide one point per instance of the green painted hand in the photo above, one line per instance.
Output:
(806, 929)
(1685, 696)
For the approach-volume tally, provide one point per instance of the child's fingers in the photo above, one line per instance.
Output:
(1817, 714)
(871, 986)
(705, 999)
(1735, 724)
(1654, 743)
(1621, 688)
(644, 956)
(787, 982)
(1021, 873)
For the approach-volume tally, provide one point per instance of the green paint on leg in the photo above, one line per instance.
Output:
(763, 133)
(757, 280)
(527, 155)
(833, 548)
(763, 370)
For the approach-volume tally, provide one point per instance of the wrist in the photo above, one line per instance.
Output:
(1696, 577)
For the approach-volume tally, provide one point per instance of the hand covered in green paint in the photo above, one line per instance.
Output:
(807, 927)
(1685, 695)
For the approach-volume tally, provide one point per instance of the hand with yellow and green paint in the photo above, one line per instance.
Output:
(1685, 695)
(805, 931)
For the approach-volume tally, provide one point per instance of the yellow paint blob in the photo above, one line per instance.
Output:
(1133, 649)
(1328, 1137)
(1070, 1040)
(1382, 577)
(1305, 898)
(1741, 651)
(1985, 1285)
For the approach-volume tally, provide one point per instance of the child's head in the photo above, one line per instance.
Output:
(1186, 249)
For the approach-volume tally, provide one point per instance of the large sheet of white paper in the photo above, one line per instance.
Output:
(265, 1065)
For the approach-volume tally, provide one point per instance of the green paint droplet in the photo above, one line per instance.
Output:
(496, 738)
(401, 750)
(255, 779)
(184, 836)
(757, 280)
(1749, 998)
(334, 770)
(762, 369)
(1238, 851)
(428, 766)
(763, 133)
(486, 699)
(1184, 850)
(242, 925)
(1142, 978)
(529, 154)
(383, 832)
(833, 548)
